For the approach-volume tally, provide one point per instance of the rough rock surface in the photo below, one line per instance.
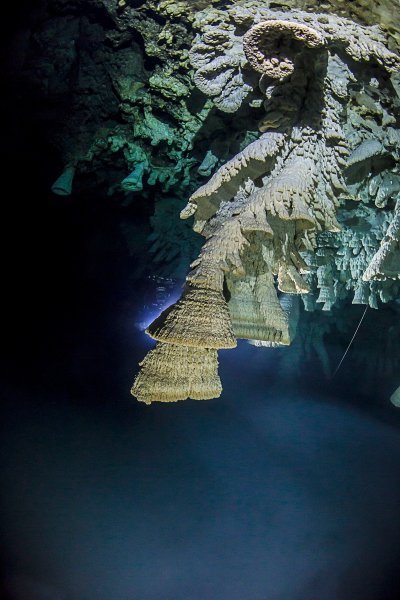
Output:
(161, 102)
(274, 210)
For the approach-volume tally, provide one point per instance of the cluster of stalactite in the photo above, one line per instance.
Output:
(264, 214)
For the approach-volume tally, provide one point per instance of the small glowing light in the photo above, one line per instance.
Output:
(153, 312)
(149, 318)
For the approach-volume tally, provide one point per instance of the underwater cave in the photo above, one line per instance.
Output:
(201, 376)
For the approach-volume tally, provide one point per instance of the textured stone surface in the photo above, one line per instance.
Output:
(113, 87)
(145, 101)
(275, 209)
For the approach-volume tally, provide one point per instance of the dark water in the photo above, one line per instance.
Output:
(275, 491)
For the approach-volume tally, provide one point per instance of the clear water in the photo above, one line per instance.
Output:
(275, 491)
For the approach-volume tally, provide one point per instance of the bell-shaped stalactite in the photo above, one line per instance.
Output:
(385, 264)
(170, 373)
(255, 310)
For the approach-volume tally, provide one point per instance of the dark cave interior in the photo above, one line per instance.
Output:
(107, 499)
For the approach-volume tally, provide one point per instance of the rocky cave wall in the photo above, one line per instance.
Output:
(275, 215)
(111, 85)
(115, 91)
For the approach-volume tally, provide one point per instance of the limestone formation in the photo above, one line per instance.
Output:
(385, 264)
(63, 185)
(395, 397)
(275, 214)
(171, 372)
(255, 310)
(211, 327)
(255, 160)
(270, 46)
(367, 150)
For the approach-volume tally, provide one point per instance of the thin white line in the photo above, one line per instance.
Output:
(351, 341)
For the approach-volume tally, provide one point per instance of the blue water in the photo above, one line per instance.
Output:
(276, 491)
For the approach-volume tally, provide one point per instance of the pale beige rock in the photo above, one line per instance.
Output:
(291, 306)
(219, 74)
(290, 194)
(290, 281)
(199, 319)
(253, 218)
(385, 264)
(224, 58)
(255, 310)
(255, 160)
(170, 373)
(283, 258)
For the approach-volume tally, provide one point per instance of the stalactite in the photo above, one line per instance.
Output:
(277, 204)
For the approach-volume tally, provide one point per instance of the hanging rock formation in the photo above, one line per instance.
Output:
(395, 397)
(281, 127)
(276, 216)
